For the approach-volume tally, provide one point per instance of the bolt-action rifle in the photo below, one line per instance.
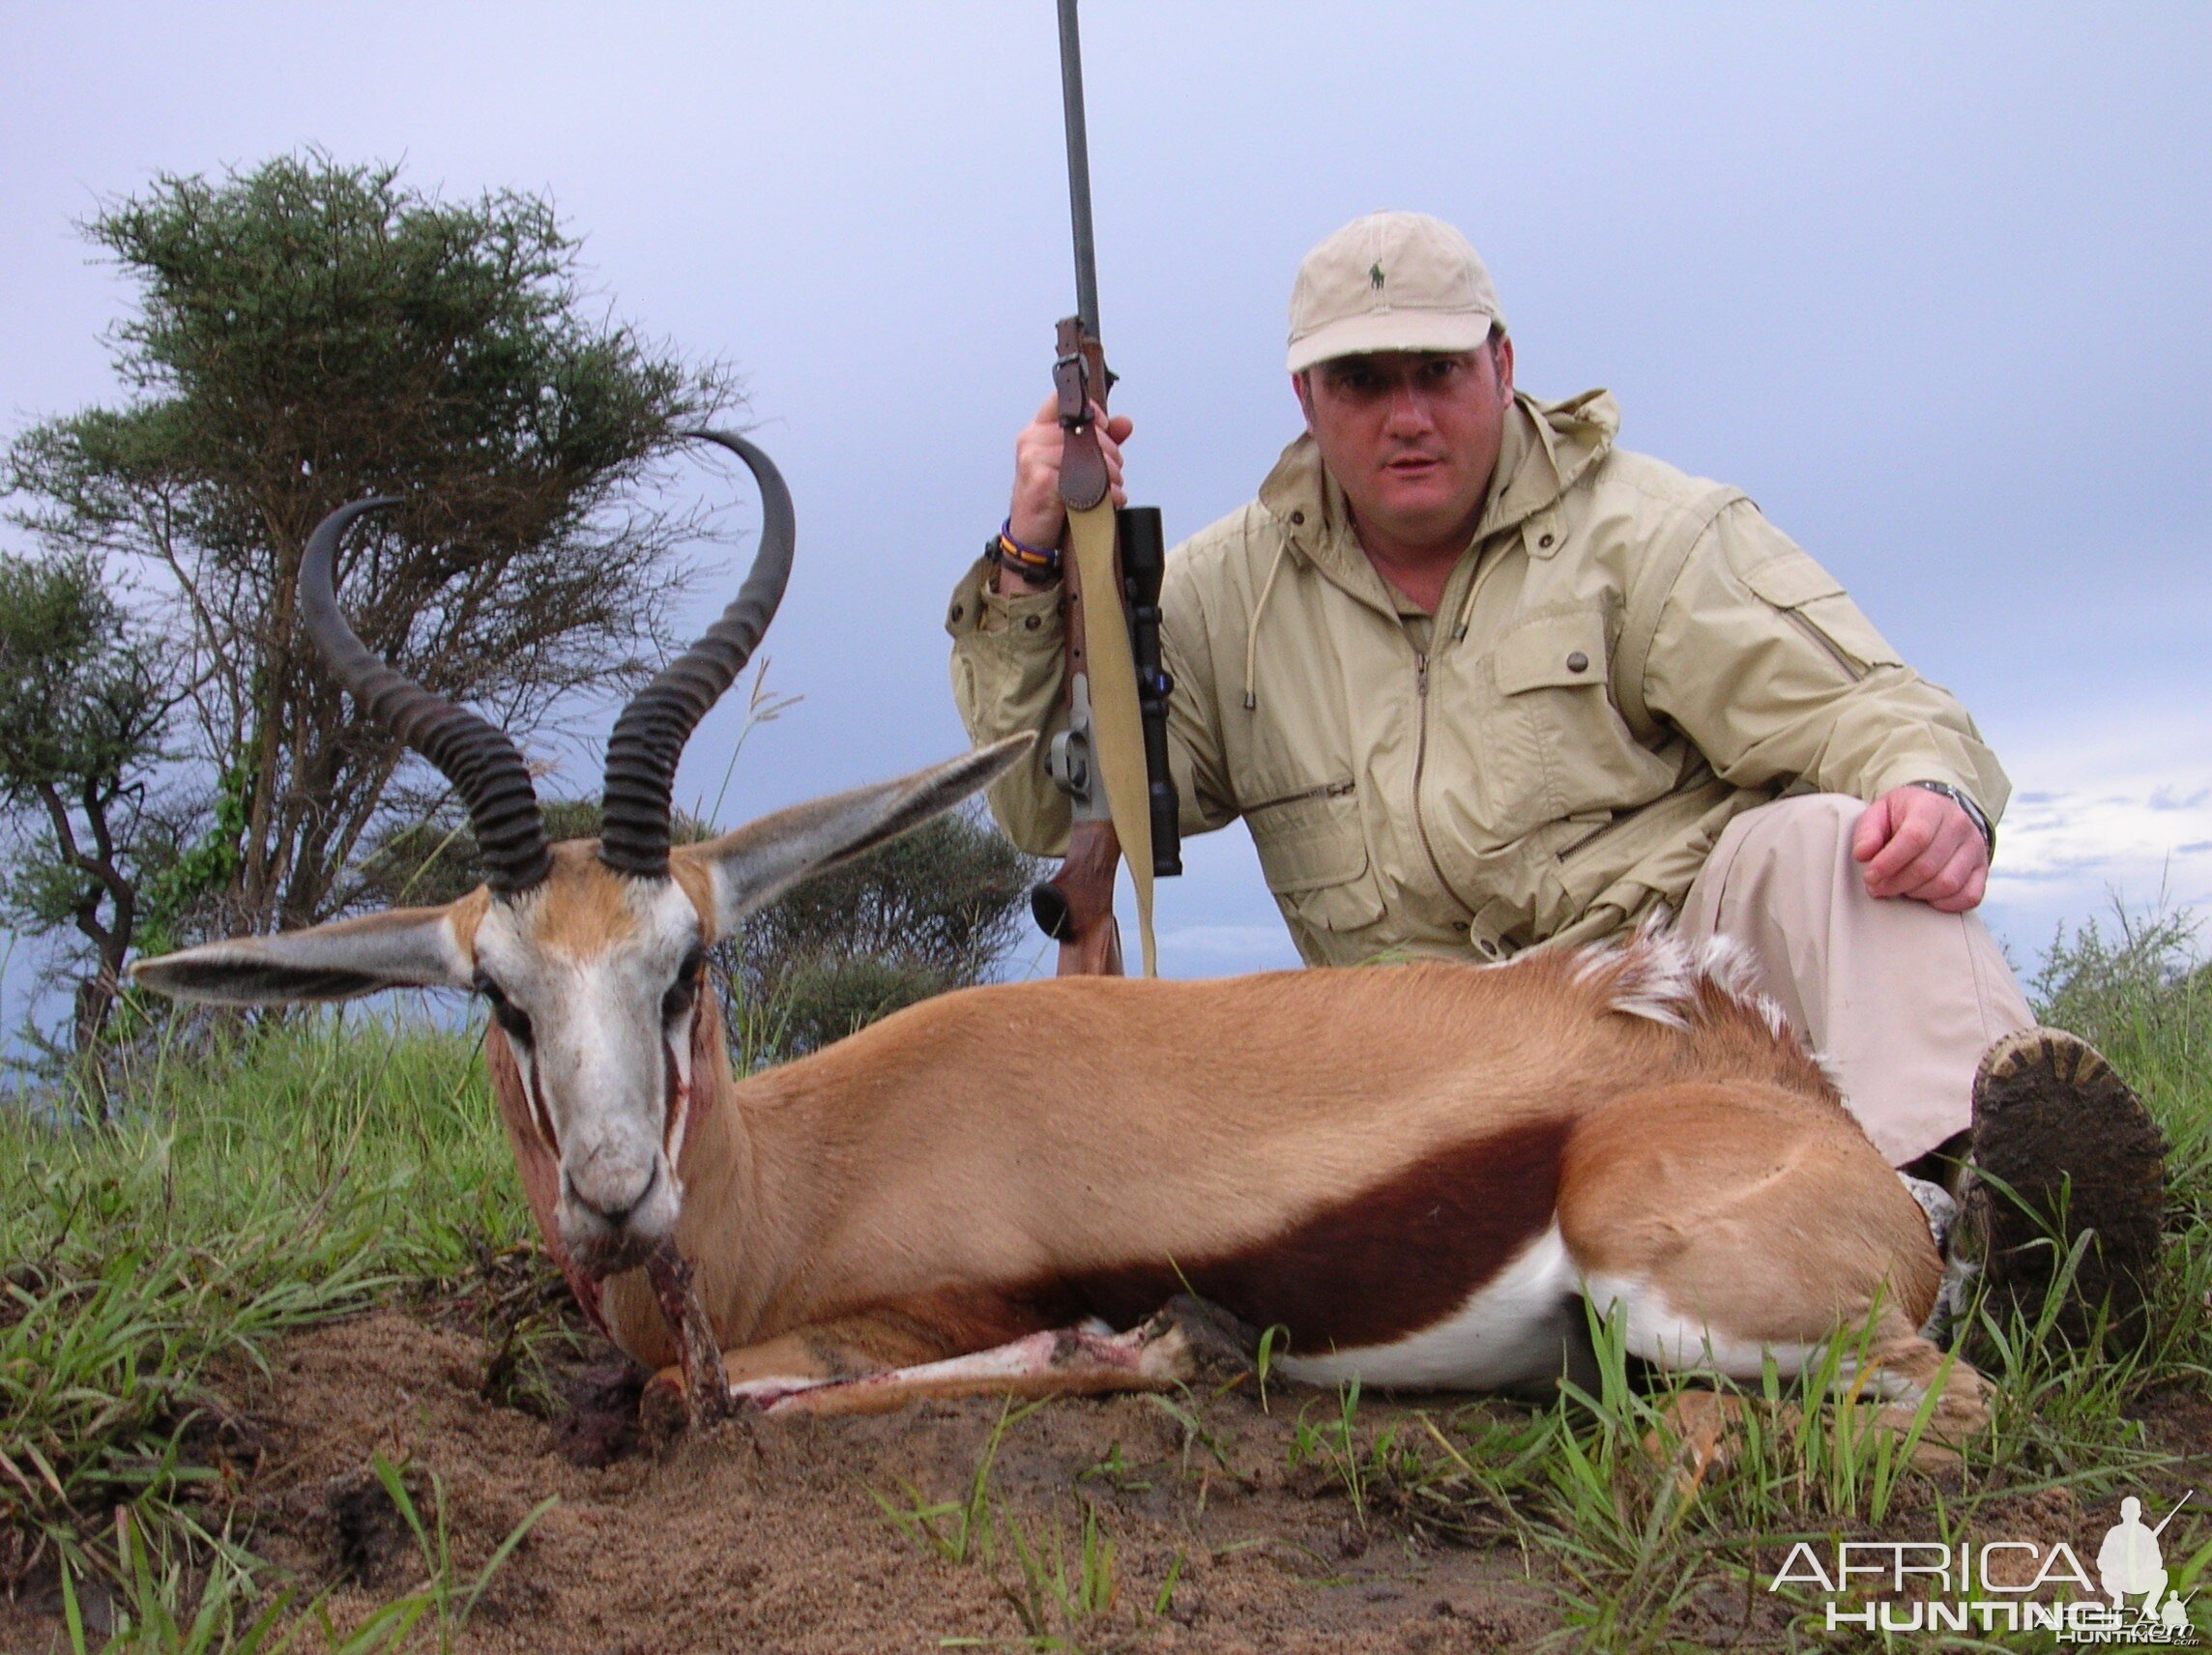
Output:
(1114, 752)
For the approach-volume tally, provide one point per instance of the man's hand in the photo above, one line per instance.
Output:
(1919, 844)
(1037, 516)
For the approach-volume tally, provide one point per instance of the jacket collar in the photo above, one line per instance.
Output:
(1546, 448)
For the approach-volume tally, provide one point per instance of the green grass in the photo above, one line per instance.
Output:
(961, 1530)
(274, 1179)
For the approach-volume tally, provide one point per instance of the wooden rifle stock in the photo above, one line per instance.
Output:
(1075, 907)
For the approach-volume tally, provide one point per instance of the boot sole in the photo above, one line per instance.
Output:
(2056, 1123)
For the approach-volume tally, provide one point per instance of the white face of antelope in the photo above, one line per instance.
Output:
(595, 978)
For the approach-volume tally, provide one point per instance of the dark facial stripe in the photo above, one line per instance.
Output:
(671, 1102)
(536, 1160)
(1384, 1264)
(542, 1115)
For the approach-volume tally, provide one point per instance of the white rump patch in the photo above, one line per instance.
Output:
(1656, 1331)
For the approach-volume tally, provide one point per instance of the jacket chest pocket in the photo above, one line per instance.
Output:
(1567, 748)
(1314, 853)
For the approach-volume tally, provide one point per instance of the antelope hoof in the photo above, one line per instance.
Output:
(1962, 1408)
(1220, 1347)
(1705, 1428)
(672, 1406)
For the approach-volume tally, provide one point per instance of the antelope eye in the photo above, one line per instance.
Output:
(503, 1012)
(684, 990)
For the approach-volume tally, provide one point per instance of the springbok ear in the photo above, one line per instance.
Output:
(758, 860)
(410, 947)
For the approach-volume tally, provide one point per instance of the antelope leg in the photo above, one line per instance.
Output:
(1061, 1362)
(706, 1395)
(1725, 1230)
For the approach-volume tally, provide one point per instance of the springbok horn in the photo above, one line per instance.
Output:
(649, 736)
(483, 766)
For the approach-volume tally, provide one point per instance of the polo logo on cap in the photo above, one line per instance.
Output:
(1375, 276)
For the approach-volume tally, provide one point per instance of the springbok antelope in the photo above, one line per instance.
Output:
(1421, 1172)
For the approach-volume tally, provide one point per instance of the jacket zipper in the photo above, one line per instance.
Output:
(1806, 625)
(1594, 835)
(1420, 763)
(1328, 789)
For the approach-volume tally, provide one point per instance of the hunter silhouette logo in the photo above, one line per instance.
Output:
(2006, 1586)
(2129, 1562)
(1374, 277)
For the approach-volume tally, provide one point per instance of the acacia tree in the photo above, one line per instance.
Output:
(938, 907)
(307, 333)
(84, 700)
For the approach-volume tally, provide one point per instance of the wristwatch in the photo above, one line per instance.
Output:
(1974, 812)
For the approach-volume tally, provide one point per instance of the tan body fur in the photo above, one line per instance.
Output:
(931, 1185)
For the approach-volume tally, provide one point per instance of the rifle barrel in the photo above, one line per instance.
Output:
(1078, 169)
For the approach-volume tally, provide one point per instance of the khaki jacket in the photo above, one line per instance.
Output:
(1625, 658)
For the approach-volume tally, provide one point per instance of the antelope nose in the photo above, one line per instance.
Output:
(616, 1213)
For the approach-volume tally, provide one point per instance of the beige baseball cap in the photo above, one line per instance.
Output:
(1390, 282)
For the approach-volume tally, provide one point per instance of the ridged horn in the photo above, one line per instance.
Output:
(649, 734)
(483, 766)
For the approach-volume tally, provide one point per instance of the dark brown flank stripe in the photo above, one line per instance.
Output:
(1399, 1257)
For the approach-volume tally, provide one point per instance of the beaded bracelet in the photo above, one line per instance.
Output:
(1040, 563)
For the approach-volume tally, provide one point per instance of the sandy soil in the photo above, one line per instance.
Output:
(768, 1536)
(765, 1537)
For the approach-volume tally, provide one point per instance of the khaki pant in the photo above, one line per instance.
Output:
(1903, 1000)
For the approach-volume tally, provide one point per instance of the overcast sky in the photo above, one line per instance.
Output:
(1933, 284)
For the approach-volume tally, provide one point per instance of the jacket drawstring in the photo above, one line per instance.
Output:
(1466, 613)
(1252, 633)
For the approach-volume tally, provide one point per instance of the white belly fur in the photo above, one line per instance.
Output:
(1515, 1329)
(1653, 1329)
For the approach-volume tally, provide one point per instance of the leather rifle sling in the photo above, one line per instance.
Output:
(1117, 727)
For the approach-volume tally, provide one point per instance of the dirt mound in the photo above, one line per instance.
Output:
(770, 1536)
